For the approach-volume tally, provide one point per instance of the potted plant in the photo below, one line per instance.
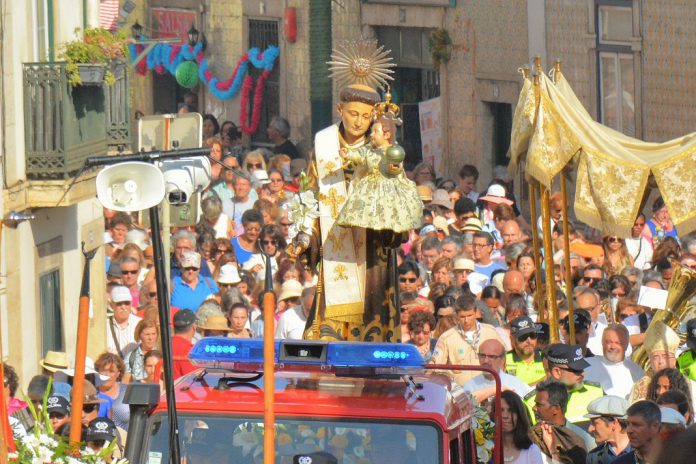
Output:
(90, 58)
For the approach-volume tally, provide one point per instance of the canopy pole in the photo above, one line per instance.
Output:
(548, 263)
(566, 259)
(269, 305)
(538, 300)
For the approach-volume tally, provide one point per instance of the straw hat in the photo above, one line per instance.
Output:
(463, 264)
(55, 361)
(425, 193)
(215, 322)
(291, 289)
(440, 197)
(472, 225)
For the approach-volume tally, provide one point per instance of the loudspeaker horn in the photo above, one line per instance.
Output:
(130, 186)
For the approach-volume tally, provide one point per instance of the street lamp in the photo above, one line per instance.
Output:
(136, 30)
(193, 35)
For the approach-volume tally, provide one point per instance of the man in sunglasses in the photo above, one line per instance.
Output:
(525, 361)
(408, 277)
(566, 364)
(589, 300)
(58, 409)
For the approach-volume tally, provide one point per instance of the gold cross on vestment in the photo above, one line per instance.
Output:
(332, 200)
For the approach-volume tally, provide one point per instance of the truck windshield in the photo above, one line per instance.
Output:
(235, 440)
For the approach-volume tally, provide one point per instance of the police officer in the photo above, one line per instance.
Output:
(566, 364)
(687, 360)
(524, 361)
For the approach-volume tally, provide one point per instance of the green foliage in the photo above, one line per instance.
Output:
(439, 44)
(96, 46)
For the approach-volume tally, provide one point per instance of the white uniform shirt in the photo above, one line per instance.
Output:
(506, 380)
(615, 378)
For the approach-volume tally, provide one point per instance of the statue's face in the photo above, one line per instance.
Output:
(356, 118)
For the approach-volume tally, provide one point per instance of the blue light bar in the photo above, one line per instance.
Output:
(247, 354)
(228, 353)
(348, 354)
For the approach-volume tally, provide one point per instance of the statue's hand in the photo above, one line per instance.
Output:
(394, 169)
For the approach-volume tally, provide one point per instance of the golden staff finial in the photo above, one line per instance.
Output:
(537, 64)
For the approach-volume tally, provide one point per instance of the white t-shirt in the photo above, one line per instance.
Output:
(506, 380)
(594, 343)
(615, 378)
(291, 324)
(641, 250)
(531, 455)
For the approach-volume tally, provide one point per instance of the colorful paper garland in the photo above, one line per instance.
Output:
(167, 57)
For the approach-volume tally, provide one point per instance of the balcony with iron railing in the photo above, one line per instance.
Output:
(66, 124)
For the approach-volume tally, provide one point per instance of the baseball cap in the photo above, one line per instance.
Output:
(569, 355)
(59, 404)
(609, 405)
(463, 264)
(427, 229)
(228, 274)
(101, 428)
(496, 194)
(291, 289)
(671, 416)
(691, 333)
(542, 330)
(120, 294)
(441, 198)
(191, 259)
(139, 237)
(184, 319)
(523, 325)
(319, 457)
(580, 320)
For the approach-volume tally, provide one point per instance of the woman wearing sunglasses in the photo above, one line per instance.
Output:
(272, 243)
(616, 255)
(254, 160)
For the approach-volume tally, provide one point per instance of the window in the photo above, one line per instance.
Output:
(43, 15)
(263, 33)
(615, 64)
(51, 318)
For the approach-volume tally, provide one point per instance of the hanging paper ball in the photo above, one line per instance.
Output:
(187, 74)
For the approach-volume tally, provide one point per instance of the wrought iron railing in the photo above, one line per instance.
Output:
(64, 125)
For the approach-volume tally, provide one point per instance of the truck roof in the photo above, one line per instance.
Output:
(423, 396)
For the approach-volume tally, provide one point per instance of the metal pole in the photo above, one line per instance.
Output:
(78, 389)
(548, 263)
(6, 441)
(538, 301)
(566, 262)
(268, 367)
(165, 336)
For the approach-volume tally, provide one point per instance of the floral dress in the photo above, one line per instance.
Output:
(378, 200)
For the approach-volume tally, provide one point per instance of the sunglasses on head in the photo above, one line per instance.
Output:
(411, 280)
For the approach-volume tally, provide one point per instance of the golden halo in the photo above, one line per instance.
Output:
(361, 62)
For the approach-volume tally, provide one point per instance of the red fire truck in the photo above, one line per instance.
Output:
(357, 403)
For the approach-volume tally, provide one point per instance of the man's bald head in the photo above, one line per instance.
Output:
(492, 355)
(513, 282)
(511, 232)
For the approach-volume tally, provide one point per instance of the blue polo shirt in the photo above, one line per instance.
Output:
(185, 297)
(488, 269)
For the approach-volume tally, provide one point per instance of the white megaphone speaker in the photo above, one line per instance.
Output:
(130, 186)
(183, 177)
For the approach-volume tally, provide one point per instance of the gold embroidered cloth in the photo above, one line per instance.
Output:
(612, 168)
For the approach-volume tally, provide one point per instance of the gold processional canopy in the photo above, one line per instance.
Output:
(551, 129)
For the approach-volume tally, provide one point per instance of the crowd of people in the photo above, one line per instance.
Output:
(468, 296)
